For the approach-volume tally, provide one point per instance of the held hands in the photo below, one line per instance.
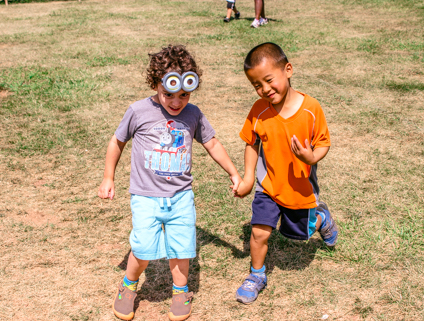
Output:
(244, 189)
(107, 189)
(306, 155)
(236, 179)
(239, 188)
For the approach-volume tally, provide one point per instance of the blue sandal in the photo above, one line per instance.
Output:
(249, 290)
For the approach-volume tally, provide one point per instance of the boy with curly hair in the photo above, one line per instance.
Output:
(286, 135)
(163, 127)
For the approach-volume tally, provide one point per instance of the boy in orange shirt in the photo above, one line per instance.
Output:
(286, 135)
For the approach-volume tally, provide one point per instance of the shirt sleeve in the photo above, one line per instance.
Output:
(127, 127)
(248, 131)
(321, 136)
(204, 130)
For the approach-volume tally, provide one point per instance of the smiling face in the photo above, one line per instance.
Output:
(270, 81)
(173, 103)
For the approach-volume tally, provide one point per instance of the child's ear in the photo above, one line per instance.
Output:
(155, 88)
(289, 69)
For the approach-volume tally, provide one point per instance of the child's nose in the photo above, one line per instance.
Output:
(176, 102)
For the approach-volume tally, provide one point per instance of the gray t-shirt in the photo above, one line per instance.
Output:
(162, 146)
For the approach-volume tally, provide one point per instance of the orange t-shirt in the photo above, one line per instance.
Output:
(280, 174)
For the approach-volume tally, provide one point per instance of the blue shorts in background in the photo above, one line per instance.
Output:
(295, 224)
(149, 241)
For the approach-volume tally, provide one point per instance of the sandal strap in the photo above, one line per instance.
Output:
(189, 296)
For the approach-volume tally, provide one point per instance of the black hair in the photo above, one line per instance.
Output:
(267, 50)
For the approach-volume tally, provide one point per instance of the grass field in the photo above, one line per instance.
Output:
(69, 70)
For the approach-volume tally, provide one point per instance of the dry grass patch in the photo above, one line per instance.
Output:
(68, 72)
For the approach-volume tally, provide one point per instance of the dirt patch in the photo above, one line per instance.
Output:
(4, 93)
(36, 218)
(55, 228)
(40, 183)
(108, 247)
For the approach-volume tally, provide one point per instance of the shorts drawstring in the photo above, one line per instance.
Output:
(168, 202)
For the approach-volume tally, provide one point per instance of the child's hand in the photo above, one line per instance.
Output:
(107, 189)
(236, 179)
(306, 155)
(243, 190)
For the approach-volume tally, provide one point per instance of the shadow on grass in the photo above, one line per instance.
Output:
(253, 18)
(158, 278)
(283, 253)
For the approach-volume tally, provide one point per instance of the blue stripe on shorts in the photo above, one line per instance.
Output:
(297, 224)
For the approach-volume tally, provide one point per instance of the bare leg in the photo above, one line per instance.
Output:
(259, 244)
(319, 221)
(179, 271)
(263, 9)
(259, 9)
(229, 13)
(235, 9)
(135, 267)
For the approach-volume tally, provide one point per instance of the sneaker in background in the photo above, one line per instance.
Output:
(263, 21)
(255, 23)
(237, 15)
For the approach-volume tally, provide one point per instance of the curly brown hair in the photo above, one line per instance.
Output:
(171, 58)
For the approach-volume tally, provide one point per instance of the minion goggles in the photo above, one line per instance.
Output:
(173, 82)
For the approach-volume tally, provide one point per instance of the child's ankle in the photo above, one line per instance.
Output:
(322, 215)
(132, 285)
(179, 289)
(260, 272)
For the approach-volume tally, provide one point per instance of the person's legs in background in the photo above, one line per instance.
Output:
(259, 14)
(231, 6)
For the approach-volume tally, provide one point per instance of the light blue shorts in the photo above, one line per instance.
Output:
(177, 214)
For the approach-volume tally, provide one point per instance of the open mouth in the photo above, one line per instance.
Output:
(174, 109)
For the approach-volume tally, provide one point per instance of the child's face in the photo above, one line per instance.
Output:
(173, 103)
(270, 81)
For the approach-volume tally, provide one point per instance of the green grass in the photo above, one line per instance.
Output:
(405, 87)
(69, 71)
(41, 102)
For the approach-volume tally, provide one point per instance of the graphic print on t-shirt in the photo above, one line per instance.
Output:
(171, 155)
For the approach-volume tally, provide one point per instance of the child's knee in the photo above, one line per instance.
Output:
(132, 258)
(179, 262)
(261, 233)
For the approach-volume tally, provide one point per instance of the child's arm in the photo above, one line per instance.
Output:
(219, 155)
(307, 155)
(250, 160)
(114, 151)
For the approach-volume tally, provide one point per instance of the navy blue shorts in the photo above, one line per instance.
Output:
(231, 5)
(295, 224)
